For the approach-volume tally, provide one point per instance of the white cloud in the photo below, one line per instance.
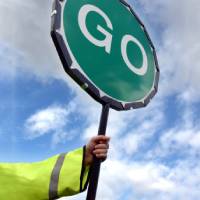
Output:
(137, 179)
(25, 27)
(50, 120)
(45, 121)
(184, 142)
(183, 139)
(150, 180)
(139, 127)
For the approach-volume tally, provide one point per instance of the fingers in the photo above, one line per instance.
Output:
(100, 139)
(101, 149)
(102, 157)
(101, 154)
(102, 146)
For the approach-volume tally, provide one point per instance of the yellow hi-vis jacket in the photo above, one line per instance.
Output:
(58, 176)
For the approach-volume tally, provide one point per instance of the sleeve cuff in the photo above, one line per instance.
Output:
(85, 174)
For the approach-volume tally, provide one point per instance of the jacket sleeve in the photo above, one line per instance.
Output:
(61, 175)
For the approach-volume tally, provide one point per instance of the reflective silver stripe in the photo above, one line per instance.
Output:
(53, 187)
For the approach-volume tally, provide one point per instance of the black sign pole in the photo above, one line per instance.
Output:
(92, 189)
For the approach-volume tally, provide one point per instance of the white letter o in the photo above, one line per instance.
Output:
(143, 69)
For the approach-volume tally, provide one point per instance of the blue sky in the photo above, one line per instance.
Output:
(154, 151)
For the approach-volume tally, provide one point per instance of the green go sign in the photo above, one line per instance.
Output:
(106, 49)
